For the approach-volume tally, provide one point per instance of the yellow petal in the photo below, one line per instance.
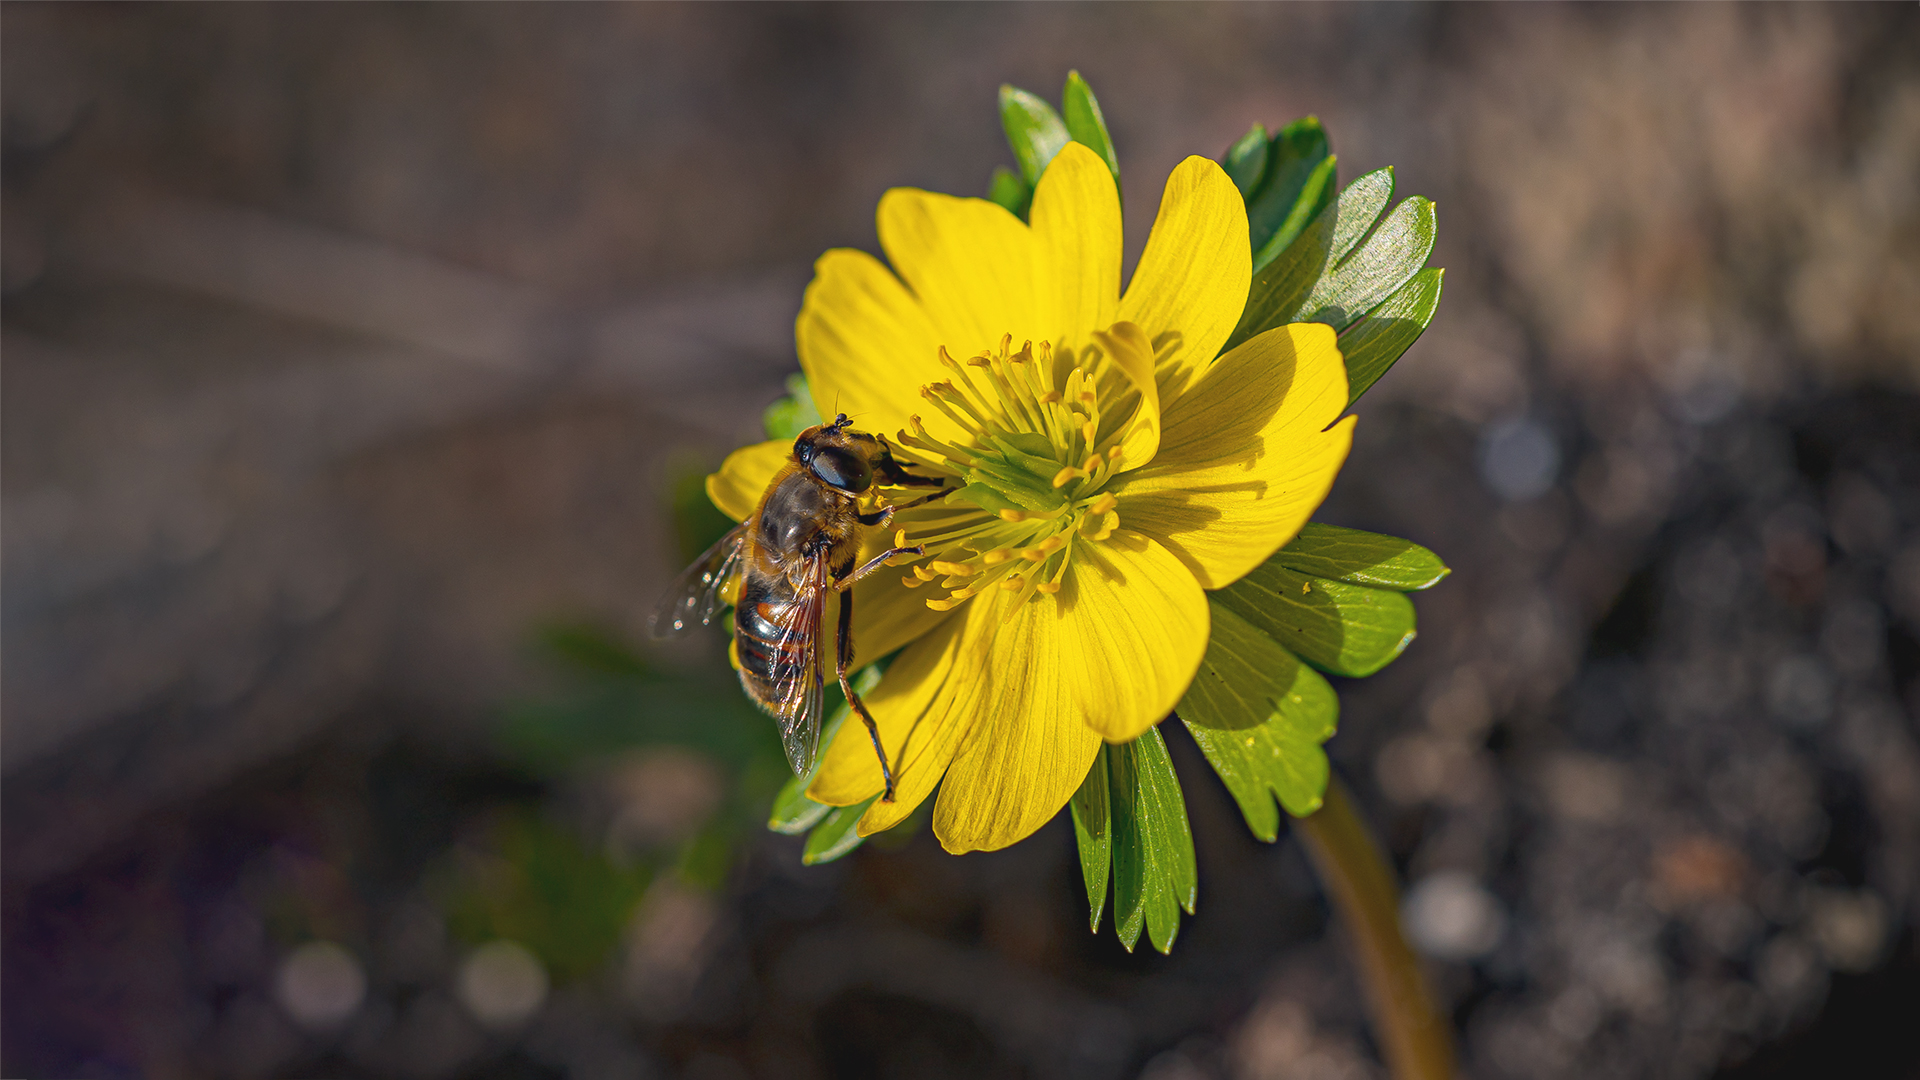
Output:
(969, 262)
(1245, 455)
(1111, 658)
(1133, 357)
(744, 476)
(1191, 284)
(865, 344)
(918, 708)
(887, 614)
(1076, 230)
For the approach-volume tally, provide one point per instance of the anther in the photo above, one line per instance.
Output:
(1048, 587)
(1013, 582)
(1101, 505)
(1066, 475)
(954, 569)
(1040, 551)
(997, 556)
(1013, 515)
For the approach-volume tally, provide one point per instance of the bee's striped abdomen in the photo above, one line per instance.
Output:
(765, 606)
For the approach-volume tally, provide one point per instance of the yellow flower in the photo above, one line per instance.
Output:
(1105, 471)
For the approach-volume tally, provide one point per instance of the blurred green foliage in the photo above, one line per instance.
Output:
(537, 883)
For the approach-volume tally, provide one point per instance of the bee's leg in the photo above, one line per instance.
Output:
(843, 656)
(895, 476)
(924, 499)
(878, 517)
(875, 563)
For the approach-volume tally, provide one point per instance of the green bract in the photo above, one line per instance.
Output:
(1332, 600)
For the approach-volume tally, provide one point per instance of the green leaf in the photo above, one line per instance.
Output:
(1010, 192)
(1361, 204)
(1246, 161)
(1281, 290)
(794, 813)
(1093, 831)
(1086, 124)
(1034, 130)
(1371, 345)
(835, 835)
(1299, 183)
(1153, 865)
(1260, 715)
(1360, 280)
(1337, 627)
(1316, 192)
(793, 414)
(1362, 558)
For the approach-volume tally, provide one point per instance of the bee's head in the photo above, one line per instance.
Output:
(838, 456)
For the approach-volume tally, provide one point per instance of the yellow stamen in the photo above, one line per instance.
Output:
(1013, 582)
(1099, 526)
(912, 581)
(954, 569)
(1044, 548)
(1101, 505)
(1013, 515)
(1066, 475)
(1048, 587)
(997, 556)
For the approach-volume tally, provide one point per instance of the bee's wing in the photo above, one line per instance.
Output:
(797, 691)
(695, 594)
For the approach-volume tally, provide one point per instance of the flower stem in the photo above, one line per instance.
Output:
(1417, 1043)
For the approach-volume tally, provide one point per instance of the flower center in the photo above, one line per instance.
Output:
(1041, 434)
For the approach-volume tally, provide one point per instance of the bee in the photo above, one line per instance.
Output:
(799, 545)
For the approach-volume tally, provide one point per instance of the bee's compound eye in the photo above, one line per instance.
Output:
(842, 469)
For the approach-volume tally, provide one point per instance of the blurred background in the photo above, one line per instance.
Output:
(357, 358)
